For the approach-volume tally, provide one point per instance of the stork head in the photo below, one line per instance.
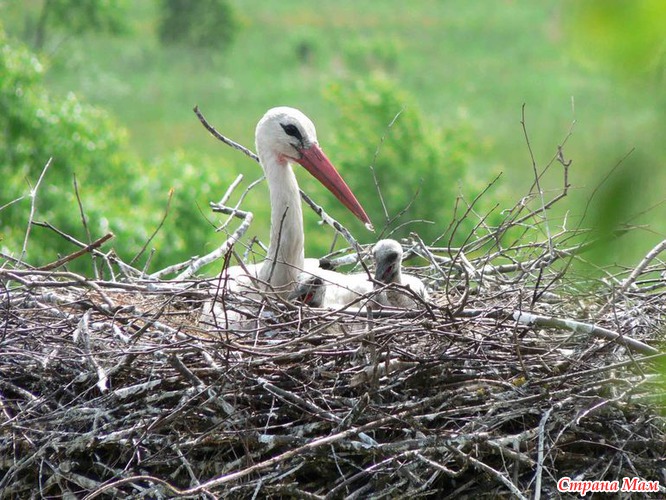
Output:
(388, 259)
(286, 135)
(310, 290)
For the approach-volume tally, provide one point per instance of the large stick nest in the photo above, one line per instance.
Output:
(516, 373)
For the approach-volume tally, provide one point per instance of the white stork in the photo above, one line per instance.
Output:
(285, 136)
(388, 270)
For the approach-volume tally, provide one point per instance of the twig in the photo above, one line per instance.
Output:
(542, 439)
(374, 161)
(530, 319)
(638, 270)
(83, 331)
(157, 229)
(33, 199)
(129, 270)
(68, 258)
(223, 249)
(222, 138)
(9, 204)
(536, 178)
(490, 471)
(84, 222)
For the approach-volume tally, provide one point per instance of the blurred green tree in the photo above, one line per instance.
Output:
(118, 192)
(84, 141)
(76, 16)
(625, 35)
(408, 155)
(626, 39)
(205, 24)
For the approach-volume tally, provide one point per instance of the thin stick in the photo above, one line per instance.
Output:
(11, 203)
(127, 269)
(270, 462)
(68, 258)
(651, 255)
(33, 199)
(374, 161)
(84, 222)
(478, 464)
(220, 251)
(157, 229)
(530, 319)
(222, 138)
(542, 439)
(536, 179)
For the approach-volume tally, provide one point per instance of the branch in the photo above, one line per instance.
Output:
(529, 319)
(33, 198)
(223, 249)
(89, 248)
(643, 265)
(157, 229)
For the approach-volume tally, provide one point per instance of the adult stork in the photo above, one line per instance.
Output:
(285, 136)
(388, 269)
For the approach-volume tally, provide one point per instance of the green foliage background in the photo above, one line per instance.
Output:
(202, 24)
(428, 96)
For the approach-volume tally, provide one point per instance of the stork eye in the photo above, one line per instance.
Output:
(392, 256)
(293, 131)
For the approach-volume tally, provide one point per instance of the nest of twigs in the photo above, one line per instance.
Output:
(515, 374)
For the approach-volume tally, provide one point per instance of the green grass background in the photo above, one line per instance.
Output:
(468, 64)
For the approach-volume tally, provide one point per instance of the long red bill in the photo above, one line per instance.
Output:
(316, 162)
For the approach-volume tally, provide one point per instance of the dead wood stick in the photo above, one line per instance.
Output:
(17, 274)
(157, 229)
(537, 182)
(196, 263)
(642, 265)
(125, 268)
(82, 331)
(226, 478)
(562, 378)
(68, 258)
(437, 466)
(223, 249)
(542, 439)
(531, 319)
(180, 367)
(478, 464)
(9, 204)
(290, 396)
(33, 200)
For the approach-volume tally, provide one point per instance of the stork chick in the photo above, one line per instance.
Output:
(388, 263)
(309, 291)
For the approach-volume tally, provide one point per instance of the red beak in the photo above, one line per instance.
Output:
(316, 162)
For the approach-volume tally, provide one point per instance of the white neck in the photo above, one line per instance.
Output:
(285, 250)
